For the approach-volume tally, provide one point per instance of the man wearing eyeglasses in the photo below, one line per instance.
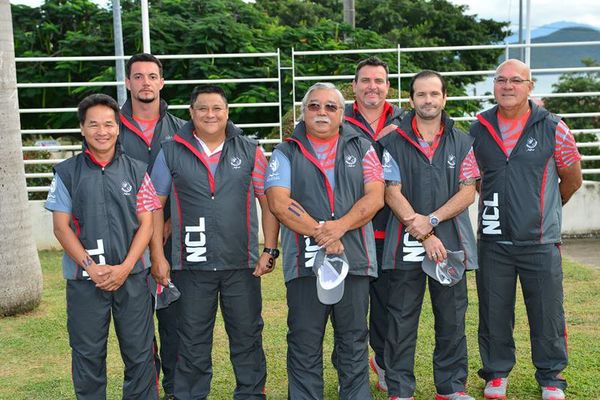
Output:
(325, 184)
(214, 175)
(530, 168)
(144, 124)
(374, 117)
(430, 173)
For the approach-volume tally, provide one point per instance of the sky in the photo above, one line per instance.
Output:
(542, 11)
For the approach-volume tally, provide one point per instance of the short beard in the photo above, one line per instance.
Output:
(146, 101)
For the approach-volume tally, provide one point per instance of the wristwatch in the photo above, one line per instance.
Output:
(433, 220)
(273, 252)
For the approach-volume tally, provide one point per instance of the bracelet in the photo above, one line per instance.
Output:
(430, 234)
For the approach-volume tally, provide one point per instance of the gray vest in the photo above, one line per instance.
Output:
(520, 198)
(427, 185)
(354, 119)
(104, 216)
(214, 218)
(132, 138)
(310, 188)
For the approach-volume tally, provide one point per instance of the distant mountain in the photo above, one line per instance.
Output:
(556, 57)
(549, 29)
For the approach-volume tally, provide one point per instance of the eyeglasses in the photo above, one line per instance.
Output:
(515, 80)
(329, 107)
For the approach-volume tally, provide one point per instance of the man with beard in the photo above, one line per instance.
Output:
(324, 184)
(145, 123)
(374, 117)
(530, 168)
(430, 174)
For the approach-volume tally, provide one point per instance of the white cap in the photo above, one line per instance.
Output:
(331, 271)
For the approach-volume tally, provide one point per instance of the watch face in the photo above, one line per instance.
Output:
(434, 221)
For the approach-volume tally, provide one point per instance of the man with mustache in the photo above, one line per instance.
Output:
(374, 117)
(145, 123)
(324, 184)
(430, 174)
(530, 168)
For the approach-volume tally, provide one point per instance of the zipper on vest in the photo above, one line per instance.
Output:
(212, 196)
(149, 149)
(102, 170)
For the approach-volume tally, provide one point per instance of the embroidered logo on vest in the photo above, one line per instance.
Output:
(490, 217)
(196, 249)
(451, 161)
(126, 188)
(235, 162)
(350, 161)
(531, 144)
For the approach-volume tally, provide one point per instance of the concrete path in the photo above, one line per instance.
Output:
(585, 251)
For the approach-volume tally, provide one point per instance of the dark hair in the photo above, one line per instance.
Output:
(426, 73)
(204, 89)
(143, 57)
(374, 62)
(98, 99)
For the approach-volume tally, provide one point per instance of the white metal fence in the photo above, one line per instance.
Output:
(298, 57)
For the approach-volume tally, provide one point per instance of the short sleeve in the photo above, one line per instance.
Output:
(391, 170)
(469, 168)
(565, 152)
(258, 173)
(58, 198)
(278, 171)
(372, 169)
(161, 176)
(147, 200)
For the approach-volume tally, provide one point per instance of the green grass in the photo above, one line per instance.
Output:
(35, 353)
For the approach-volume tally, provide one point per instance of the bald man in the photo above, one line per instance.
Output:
(530, 168)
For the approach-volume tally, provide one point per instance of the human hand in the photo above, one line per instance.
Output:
(265, 264)
(434, 249)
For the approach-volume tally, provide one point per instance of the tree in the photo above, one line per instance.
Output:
(573, 83)
(21, 283)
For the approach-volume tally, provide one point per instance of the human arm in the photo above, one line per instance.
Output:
(570, 181)
(469, 173)
(270, 225)
(329, 232)
(74, 249)
(119, 273)
(160, 269)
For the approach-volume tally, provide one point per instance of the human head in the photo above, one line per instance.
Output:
(428, 95)
(371, 83)
(209, 111)
(427, 73)
(142, 57)
(512, 87)
(144, 78)
(98, 115)
(323, 122)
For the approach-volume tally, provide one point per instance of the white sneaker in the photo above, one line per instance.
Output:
(495, 389)
(381, 385)
(552, 393)
(453, 396)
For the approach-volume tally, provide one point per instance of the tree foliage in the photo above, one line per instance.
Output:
(80, 27)
(574, 83)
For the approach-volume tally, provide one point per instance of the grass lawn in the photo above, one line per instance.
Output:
(35, 353)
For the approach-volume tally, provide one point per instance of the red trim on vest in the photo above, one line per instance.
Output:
(248, 223)
(399, 244)
(542, 199)
(364, 240)
(298, 255)
(492, 132)
(387, 110)
(411, 141)
(181, 239)
(211, 179)
(101, 164)
(134, 129)
(313, 160)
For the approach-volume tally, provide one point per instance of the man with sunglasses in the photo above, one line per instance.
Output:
(530, 168)
(430, 173)
(215, 174)
(144, 124)
(374, 117)
(325, 184)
